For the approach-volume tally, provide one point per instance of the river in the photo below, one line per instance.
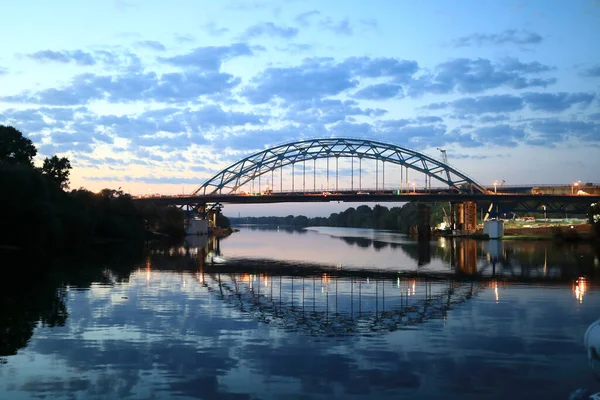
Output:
(281, 313)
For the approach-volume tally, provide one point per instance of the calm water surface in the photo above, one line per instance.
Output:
(253, 317)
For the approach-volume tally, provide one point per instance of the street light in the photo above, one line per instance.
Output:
(576, 184)
(545, 218)
(414, 187)
(495, 187)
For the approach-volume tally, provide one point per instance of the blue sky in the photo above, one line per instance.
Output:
(156, 97)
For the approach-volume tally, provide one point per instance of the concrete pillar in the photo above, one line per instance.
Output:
(424, 221)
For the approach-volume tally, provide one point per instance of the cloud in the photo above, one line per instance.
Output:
(342, 27)
(310, 80)
(114, 59)
(130, 87)
(49, 149)
(184, 38)
(3, 71)
(151, 44)
(477, 75)
(595, 116)
(78, 57)
(321, 77)
(209, 58)
(214, 30)
(481, 104)
(552, 102)
(269, 29)
(556, 101)
(327, 111)
(493, 118)
(508, 36)
(214, 116)
(382, 67)
(304, 18)
(556, 130)
(151, 179)
(500, 135)
(593, 72)
(380, 91)
(295, 48)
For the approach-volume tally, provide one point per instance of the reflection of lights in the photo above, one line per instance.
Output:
(148, 274)
(266, 281)
(398, 283)
(496, 290)
(579, 288)
(414, 287)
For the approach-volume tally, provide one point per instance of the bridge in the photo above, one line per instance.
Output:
(410, 177)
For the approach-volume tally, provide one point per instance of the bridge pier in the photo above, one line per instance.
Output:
(424, 222)
(463, 217)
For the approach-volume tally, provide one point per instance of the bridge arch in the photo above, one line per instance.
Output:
(230, 179)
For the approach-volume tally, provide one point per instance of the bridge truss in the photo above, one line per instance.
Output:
(232, 178)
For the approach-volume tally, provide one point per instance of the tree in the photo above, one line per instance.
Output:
(14, 147)
(58, 170)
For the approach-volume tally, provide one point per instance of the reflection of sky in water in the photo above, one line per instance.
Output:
(167, 334)
(329, 246)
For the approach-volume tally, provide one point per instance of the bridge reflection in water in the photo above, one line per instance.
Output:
(330, 301)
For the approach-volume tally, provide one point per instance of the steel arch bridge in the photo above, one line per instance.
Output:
(229, 180)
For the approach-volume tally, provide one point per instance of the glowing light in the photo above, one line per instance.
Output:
(414, 287)
(496, 291)
(579, 288)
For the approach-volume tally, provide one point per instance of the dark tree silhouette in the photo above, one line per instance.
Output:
(58, 170)
(14, 147)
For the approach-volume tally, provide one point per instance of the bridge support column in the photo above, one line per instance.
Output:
(424, 221)
(464, 217)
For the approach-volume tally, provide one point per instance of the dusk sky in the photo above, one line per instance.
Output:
(157, 96)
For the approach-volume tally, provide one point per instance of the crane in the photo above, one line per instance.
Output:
(444, 156)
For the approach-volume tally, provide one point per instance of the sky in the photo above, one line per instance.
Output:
(157, 97)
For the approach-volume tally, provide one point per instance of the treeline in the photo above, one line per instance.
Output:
(378, 217)
(40, 216)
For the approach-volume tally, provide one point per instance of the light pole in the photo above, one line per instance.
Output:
(495, 187)
(414, 187)
(575, 185)
(545, 218)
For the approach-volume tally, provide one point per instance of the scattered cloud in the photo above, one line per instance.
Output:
(151, 44)
(477, 75)
(553, 130)
(150, 179)
(310, 80)
(184, 38)
(342, 27)
(557, 101)
(208, 58)
(482, 104)
(369, 23)
(500, 135)
(269, 29)
(214, 30)
(508, 36)
(380, 91)
(592, 72)
(486, 119)
(305, 18)
(551, 102)
(327, 111)
(3, 71)
(78, 57)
